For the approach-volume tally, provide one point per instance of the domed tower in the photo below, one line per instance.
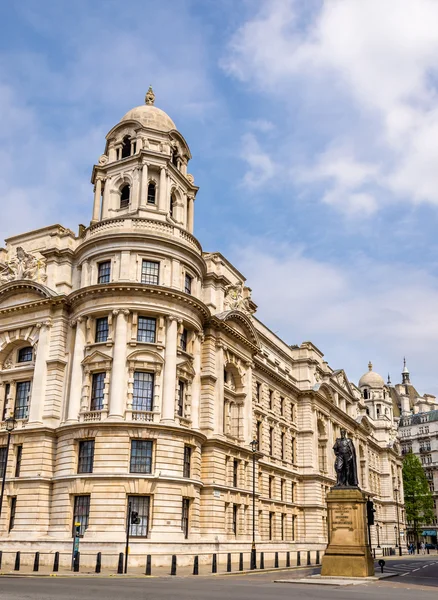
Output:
(376, 395)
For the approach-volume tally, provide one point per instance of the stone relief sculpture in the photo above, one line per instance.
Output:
(345, 463)
(23, 266)
(238, 297)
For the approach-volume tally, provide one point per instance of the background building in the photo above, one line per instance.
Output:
(138, 372)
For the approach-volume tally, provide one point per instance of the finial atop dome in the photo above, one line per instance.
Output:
(370, 366)
(150, 96)
(405, 372)
(389, 380)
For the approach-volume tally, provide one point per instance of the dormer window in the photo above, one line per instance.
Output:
(125, 194)
(25, 354)
(151, 193)
(126, 147)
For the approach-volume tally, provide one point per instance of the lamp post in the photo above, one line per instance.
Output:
(378, 536)
(254, 447)
(398, 544)
(395, 535)
(10, 423)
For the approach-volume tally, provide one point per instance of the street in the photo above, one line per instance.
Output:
(414, 575)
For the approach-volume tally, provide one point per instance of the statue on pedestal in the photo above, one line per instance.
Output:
(345, 463)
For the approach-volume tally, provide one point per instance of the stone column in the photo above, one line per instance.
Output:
(196, 384)
(190, 213)
(118, 372)
(135, 201)
(144, 186)
(169, 376)
(106, 198)
(85, 274)
(162, 190)
(219, 392)
(37, 397)
(74, 403)
(97, 197)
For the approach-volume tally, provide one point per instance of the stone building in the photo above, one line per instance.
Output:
(138, 373)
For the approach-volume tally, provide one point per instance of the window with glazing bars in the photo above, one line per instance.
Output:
(183, 340)
(97, 389)
(271, 524)
(271, 440)
(181, 392)
(235, 472)
(141, 456)
(185, 516)
(187, 461)
(143, 392)
(22, 400)
(283, 447)
(25, 354)
(101, 329)
(259, 434)
(141, 505)
(235, 513)
(12, 513)
(146, 327)
(150, 272)
(86, 456)
(5, 400)
(283, 520)
(151, 193)
(104, 272)
(18, 455)
(2, 460)
(188, 284)
(81, 513)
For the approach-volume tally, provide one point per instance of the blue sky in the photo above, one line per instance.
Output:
(314, 133)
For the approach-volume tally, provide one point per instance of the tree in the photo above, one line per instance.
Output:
(419, 503)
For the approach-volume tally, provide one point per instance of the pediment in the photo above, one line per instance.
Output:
(146, 356)
(339, 378)
(239, 321)
(187, 367)
(23, 292)
(96, 357)
(364, 422)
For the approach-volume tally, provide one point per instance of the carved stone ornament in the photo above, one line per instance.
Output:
(23, 266)
(238, 297)
(150, 96)
(103, 159)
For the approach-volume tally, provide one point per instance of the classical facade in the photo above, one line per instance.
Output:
(138, 372)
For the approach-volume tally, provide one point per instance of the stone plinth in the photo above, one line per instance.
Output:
(348, 553)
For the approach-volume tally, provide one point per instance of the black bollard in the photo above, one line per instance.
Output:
(317, 557)
(148, 565)
(196, 566)
(229, 563)
(173, 567)
(56, 563)
(298, 559)
(36, 562)
(98, 562)
(276, 561)
(262, 560)
(428, 550)
(241, 561)
(309, 562)
(17, 562)
(214, 564)
(76, 562)
(287, 559)
(120, 564)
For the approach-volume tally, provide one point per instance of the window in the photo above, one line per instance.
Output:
(271, 398)
(259, 434)
(151, 193)
(181, 394)
(281, 406)
(86, 456)
(185, 516)
(283, 520)
(125, 194)
(18, 455)
(293, 528)
(2, 460)
(81, 514)
(271, 441)
(292, 412)
(258, 389)
(235, 513)
(101, 330)
(12, 513)
(292, 492)
(188, 284)
(271, 525)
(104, 272)
(292, 450)
(141, 456)
(183, 340)
(141, 505)
(22, 400)
(25, 354)
(143, 393)
(149, 272)
(282, 488)
(126, 147)
(172, 205)
(283, 439)
(146, 329)
(187, 461)
(97, 387)
(235, 472)
(270, 486)
(5, 402)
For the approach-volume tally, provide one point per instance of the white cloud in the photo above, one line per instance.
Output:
(261, 167)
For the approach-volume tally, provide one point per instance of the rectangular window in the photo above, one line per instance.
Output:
(271, 441)
(2, 460)
(5, 402)
(185, 516)
(292, 450)
(150, 272)
(101, 330)
(283, 520)
(281, 406)
(146, 328)
(12, 513)
(18, 455)
(81, 514)
(283, 439)
(282, 488)
(140, 505)
(258, 389)
(292, 412)
(235, 513)
(141, 456)
(188, 284)
(235, 472)
(187, 461)
(292, 492)
(259, 434)
(22, 400)
(271, 399)
(143, 393)
(183, 340)
(25, 354)
(97, 387)
(271, 525)
(293, 528)
(181, 394)
(86, 456)
(104, 272)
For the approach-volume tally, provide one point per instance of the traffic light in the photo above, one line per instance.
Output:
(370, 512)
(135, 519)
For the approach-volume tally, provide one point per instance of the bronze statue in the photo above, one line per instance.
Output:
(345, 463)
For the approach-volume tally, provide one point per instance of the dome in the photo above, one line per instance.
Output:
(371, 379)
(149, 115)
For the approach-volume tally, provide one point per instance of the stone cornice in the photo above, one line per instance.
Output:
(274, 375)
(31, 306)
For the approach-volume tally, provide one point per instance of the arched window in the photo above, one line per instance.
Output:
(126, 147)
(151, 193)
(172, 204)
(365, 394)
(125, 194)
(175, 157)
